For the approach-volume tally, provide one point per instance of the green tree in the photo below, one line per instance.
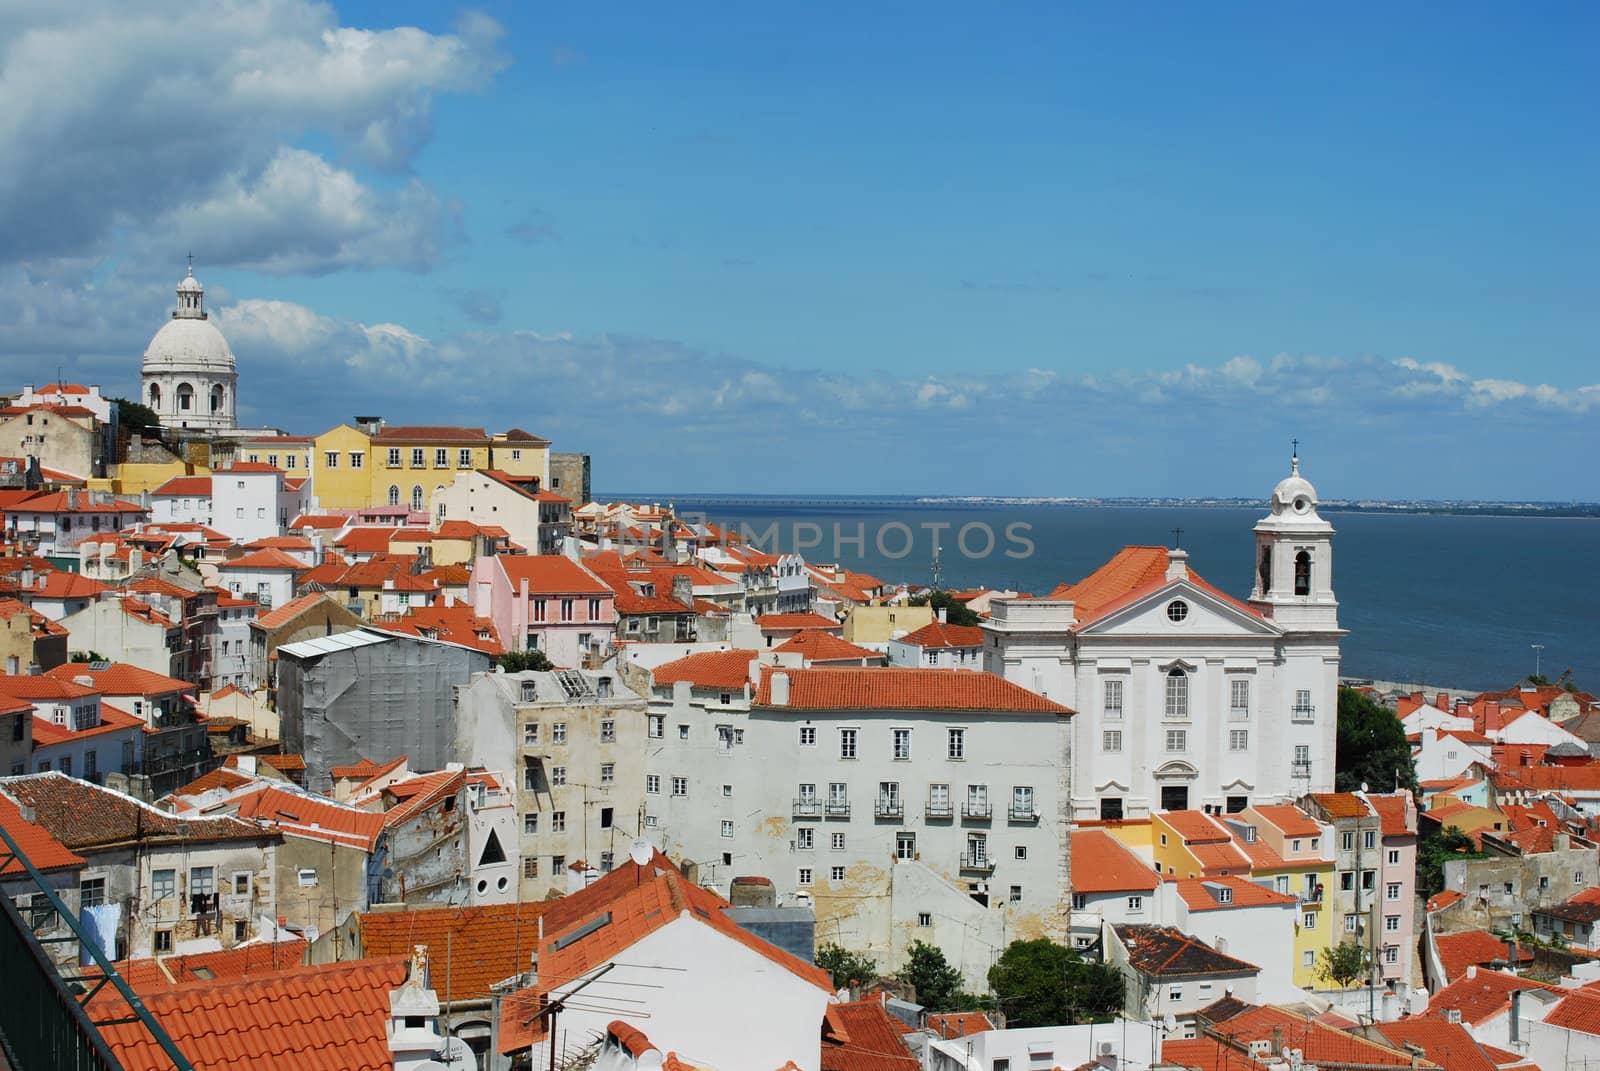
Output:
(956, 612)
(1436, 847)
(87, 656)
(133, 415)
(1372, 747)
(847, 968)
(1344, 964)
(1041, 983)
(937, 983)
(517, 661)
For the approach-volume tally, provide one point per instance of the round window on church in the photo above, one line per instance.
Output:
(1301, 504)
(1177, 611)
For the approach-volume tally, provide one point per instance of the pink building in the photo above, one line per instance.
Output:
(547, 603)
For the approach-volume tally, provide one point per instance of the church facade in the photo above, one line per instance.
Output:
(189, 377)
(1187, 697)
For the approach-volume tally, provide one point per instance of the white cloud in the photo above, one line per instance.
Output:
(173, 120)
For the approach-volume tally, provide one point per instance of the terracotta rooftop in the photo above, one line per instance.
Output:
(1447, 1044)
(959, 1024)
(1580, 1011)
(279, 616)
(708, 669)
(43, 850)
(1207, 1054)
(453, 624)
(309, 817)
(1290, 819)
(1342, 804)
(84, 816)
(1207, 894)
(485, 945)
(431, 433)
(550, 574)
(1321, 1043)
(797, 621)
(815, 645)
(894, 688)
(253, 960)
(1479, 994)
(122, 678)
(1164, 952)
(871, 1040)
(937, 635)
(332, 1016)
(112, 720)
(1101, 864)
(187, 486)
(1473, 948)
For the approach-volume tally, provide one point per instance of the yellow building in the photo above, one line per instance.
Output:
(521, 453)
(136, 478)
(880, 624)
(291, 453)
(341, 468)
(413, 463)
(1305, 869)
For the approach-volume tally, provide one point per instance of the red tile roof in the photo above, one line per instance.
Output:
(81, 815)
(873, 1040)
(708, 669)
(188, 486)
(411, 796)
(44, 851)
(332, 1016)
(1321, 1043)
(1101, 863)
(936, 635)
(1165, 952)
(485, 945)
(1442, 900)
(814, 645)
(1290, 819)
(63, 502)
(1392, 815)
(121, 678)
(235, 964)
(302, 815)
(551, 574)
(431, 433)
(112, 720)
(960, 1024)
(453, 624)
(271, 558)
(1446, 1044)
(1342, 804)
(319, 520)
(63, 585)
(893, 688)
(1579, 1011)
(279, 616)
(1196, 892)
(1473, 948)
(40, 686)
(1207, 1054)
(1479, 994)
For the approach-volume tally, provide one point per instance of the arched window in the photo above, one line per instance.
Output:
(438, 499)
(416, 499)
(155, 396)
(1177, 694)
(1266, 570)
(216, 398)
(1302, 573)
(185, 397)
(394, 494)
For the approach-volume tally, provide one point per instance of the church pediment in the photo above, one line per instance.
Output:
(1182, 608)
(1177, 768)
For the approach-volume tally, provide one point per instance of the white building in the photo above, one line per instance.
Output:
(268, 575)
(939, 645)
(182, 500)
(249, 501)
(68, 395)
(1186, 696)
(189, 374)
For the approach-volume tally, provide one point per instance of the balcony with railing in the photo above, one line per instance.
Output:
(837, 809)
(1311, 897)
(810, 808)
(977, 810)
(1301, 768)
(979, 862)
(1303, 712)
(1023, 813)
(889, 808)
(937, 810)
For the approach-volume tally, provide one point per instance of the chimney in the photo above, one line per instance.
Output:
(1177, 564)
(780, 689)
(1277, 1041)
(944, 616)
(72, 498)
(1443, 702)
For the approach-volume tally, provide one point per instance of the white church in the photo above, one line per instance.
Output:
(1187, 697)
(189, 377)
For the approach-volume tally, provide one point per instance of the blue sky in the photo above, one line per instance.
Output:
(1074, 251)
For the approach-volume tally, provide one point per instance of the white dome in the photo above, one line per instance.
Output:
(188, 344)
(190, 285)
(1294, 492)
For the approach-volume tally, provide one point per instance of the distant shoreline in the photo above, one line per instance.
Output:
(1565, 511)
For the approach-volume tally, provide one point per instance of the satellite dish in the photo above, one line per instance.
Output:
(1169, 1023)
(640, 851)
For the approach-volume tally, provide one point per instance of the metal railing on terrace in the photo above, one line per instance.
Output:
(45, 1019)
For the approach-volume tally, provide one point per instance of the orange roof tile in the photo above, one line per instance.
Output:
(1321, 1043)
(1392, 814)
(1101, 863)
(428, 433)
(325, 1016)
(1447, 1044)
(1291, 820)
(187, 486)
(708, 669)
(1195, 827)
(959, 1024)
(42, 850)
(1580, 1011)
(814, 645)
(1342, 804)
(873, 1040)
(112, 720)
(1196, 892)
(235, 964)
(271, 558)
(1473, 948)
(310, 818)
(279, 616)
(551, 574)
(937, 635)
(1479, 994)
(121, 678)
(453, 624)
(319, 520)
(485, 944)
(76, 502)
(45, 686)
(413, 795)
(893, 688)
(1442, 900)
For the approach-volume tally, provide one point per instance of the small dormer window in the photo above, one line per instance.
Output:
(1302, 573)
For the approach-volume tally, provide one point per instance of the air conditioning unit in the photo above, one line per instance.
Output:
(1108, 1048)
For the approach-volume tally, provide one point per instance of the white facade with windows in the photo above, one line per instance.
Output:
(247, 502)
(1186, 697)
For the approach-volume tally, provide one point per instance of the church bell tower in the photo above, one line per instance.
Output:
(1294, 559)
